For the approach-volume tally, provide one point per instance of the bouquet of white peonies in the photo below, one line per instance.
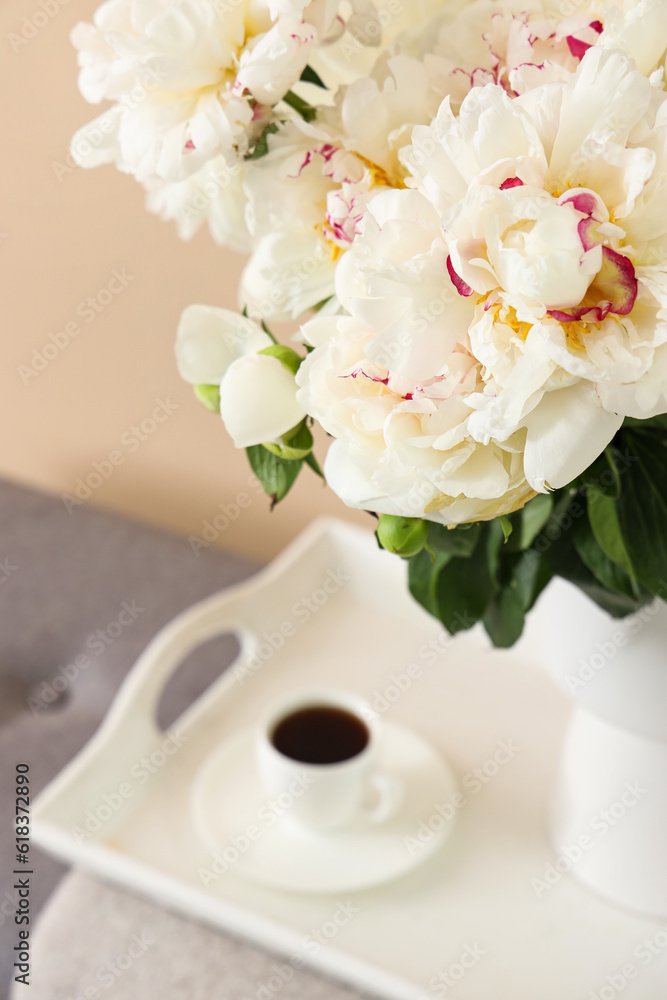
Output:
(465, 207)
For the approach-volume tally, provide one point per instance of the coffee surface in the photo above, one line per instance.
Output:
(320, 734)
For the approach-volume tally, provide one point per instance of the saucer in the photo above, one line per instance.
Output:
(249, 834)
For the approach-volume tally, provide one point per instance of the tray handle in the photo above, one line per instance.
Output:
(137, 700)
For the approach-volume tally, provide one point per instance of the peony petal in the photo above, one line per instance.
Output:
(458, 282)
(640, 31)
(615, 288)
(270, 68)
(585, 202)
(617, 281)
(587, 230)
(97, 142)
(606, 95)
(577, 47)
(644, 397)
(348, 473)
(288, 273)
(258, 400)
(499, 416)
(511, 182)
(566, 432)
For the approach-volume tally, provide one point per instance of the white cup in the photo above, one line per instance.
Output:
(326, 796)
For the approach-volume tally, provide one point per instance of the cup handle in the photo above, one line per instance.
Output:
(389, 792)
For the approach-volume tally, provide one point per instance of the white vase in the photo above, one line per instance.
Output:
(608, 820)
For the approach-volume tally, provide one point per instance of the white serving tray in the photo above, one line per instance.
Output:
(407, 939)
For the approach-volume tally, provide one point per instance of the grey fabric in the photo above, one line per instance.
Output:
(96, 938)
(63, 577)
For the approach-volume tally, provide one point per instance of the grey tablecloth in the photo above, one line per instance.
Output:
(64, 578)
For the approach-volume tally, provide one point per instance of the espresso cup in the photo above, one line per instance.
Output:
(317, 753)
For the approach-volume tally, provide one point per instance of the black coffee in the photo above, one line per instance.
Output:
(321, 734)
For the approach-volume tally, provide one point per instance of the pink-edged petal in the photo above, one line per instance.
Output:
(511, 182)
(584, 201)
(594, 212)
(587, 230)
(587, 314)
(360, 373)
(577, 48)
(615, 288)
(617, 281)
(457, 281)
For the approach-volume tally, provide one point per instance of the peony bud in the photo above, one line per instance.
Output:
(258, 400)
(404, 536)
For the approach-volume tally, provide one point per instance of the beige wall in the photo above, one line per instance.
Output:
(64, 231)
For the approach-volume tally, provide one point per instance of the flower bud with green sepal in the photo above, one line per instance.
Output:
(286, 355)
(404, 536)
(209, 396)
(297, 443)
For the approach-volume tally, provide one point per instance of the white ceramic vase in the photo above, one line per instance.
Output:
(609, 809)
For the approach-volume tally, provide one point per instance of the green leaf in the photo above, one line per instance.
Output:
(530, 575)
(310, 76)
(506, 526)
(262, 144)
(642, 511)
(288, 357)
(565, 561)
(314, 464)
(320, 305)
(277, 475)
(603, 518)
(495, 542)
(504, 619)
(209, 395)
(611, 576)
(303, 108)
(460, 541)
(423, 571)
(524, 578)
(604, 474)
(297, 443)
(658, 422)
(533, 518)
(463, 590)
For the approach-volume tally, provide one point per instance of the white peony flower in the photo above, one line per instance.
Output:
(193, 80)
(534, 247)
(306, 200)
(257, 392)
(551, 240)
(384, 24)
(402, 441)
(402, 447)
(375, 115)
(521, 45)
(308, 196)
(214, 195)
